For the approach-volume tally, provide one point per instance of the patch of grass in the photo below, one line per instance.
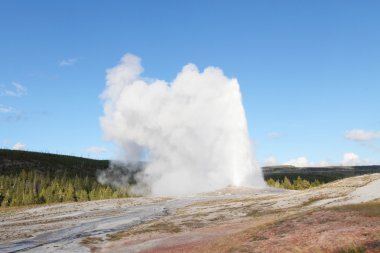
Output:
(90, 240)
(13, 209)
(168, 227)
(199, 215)
(192, 224)
(375, 244)
(371, 208)
(291, 214)
(118, 235)
(262, 212)
(92, 243)
(351, 249)
(218, 218)
(313, 200)
(161, 227)
(258, 238)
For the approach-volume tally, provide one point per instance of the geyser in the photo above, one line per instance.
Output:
(193, 129)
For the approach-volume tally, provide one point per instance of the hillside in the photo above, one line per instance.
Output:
(39, 178)
(28, 178)
(12, 162)
(323, 174)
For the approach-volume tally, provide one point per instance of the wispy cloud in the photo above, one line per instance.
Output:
(348, 159)
(17, 91)
(96, 150)
(362, 135)
(270, 161)
(274, 135)
(68, 62)
(351, 159)
(298, 162)
(6, 109)
(9, 113)
(19, 146)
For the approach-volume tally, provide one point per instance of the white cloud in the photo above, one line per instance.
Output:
(96, 150)
(298, 162)
(68, 62)
(6, 109)
(362, 135)
(270, 161)
(304, 162)
(352, 159)
(348, 159)
(322, 164)
(17, 91)
(274, 135)
(19, 146)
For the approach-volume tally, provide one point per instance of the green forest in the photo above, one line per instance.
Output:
(297, 184)
(33, 187)
(28, 178)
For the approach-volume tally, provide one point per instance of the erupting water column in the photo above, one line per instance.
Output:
(194, 128)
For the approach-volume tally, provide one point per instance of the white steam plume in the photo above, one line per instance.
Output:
(193, 129)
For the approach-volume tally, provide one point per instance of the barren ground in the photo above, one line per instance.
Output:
(323, 219)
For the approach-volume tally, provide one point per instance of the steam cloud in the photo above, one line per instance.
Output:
(193, 130)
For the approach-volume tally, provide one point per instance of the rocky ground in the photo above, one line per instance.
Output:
(343, 216)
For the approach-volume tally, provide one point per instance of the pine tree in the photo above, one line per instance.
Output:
(69, 194)
(27, 199)
(287, 184)
(298, 184)
(7, 200)
(305, 184)
(271, 182)
(315, 183)
(277, 184)
(93, 194)
(108, 192)
(82, 195)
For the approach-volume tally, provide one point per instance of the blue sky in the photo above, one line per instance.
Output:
(309, 71)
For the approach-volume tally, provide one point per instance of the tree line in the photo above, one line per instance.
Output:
(33, 187)
(297, 184)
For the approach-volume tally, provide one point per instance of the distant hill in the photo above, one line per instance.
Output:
(13, 161)
(28, 178)
(323, 174)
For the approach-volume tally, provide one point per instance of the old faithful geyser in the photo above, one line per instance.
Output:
(192, 129)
